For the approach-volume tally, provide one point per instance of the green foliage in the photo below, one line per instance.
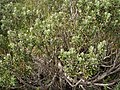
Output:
(52, 28)
(6, 78)
(86, 63)
(117, 87)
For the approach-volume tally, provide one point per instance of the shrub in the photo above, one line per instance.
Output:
(79, 34)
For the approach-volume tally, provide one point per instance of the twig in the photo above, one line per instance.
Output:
(118, 69)
(101, 84)
(22, 81)
(53, 80)
(107, 84)
(73, 85)
(107, 72)
(114, 62)
(81, 81)
(106, 57)
(106, 66)
(82, 87)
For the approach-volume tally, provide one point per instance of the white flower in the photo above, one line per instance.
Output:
(23, 8)
(82, 54)
(4, 17)
(91, 49)
(9, 31)
(31, 28)
(0, 62)
(28, 11)
(37, 11)
(8, 54)
(15, 9)
(25, 34)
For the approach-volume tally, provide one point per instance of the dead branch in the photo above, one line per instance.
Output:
(52, 81)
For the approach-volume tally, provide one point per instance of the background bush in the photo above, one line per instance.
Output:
(78, 34)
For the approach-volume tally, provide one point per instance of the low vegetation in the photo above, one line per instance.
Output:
(59, 44)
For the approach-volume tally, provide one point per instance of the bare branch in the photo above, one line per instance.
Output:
(82, 87)
(109, 71)
(101, 84)
(53, 80)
